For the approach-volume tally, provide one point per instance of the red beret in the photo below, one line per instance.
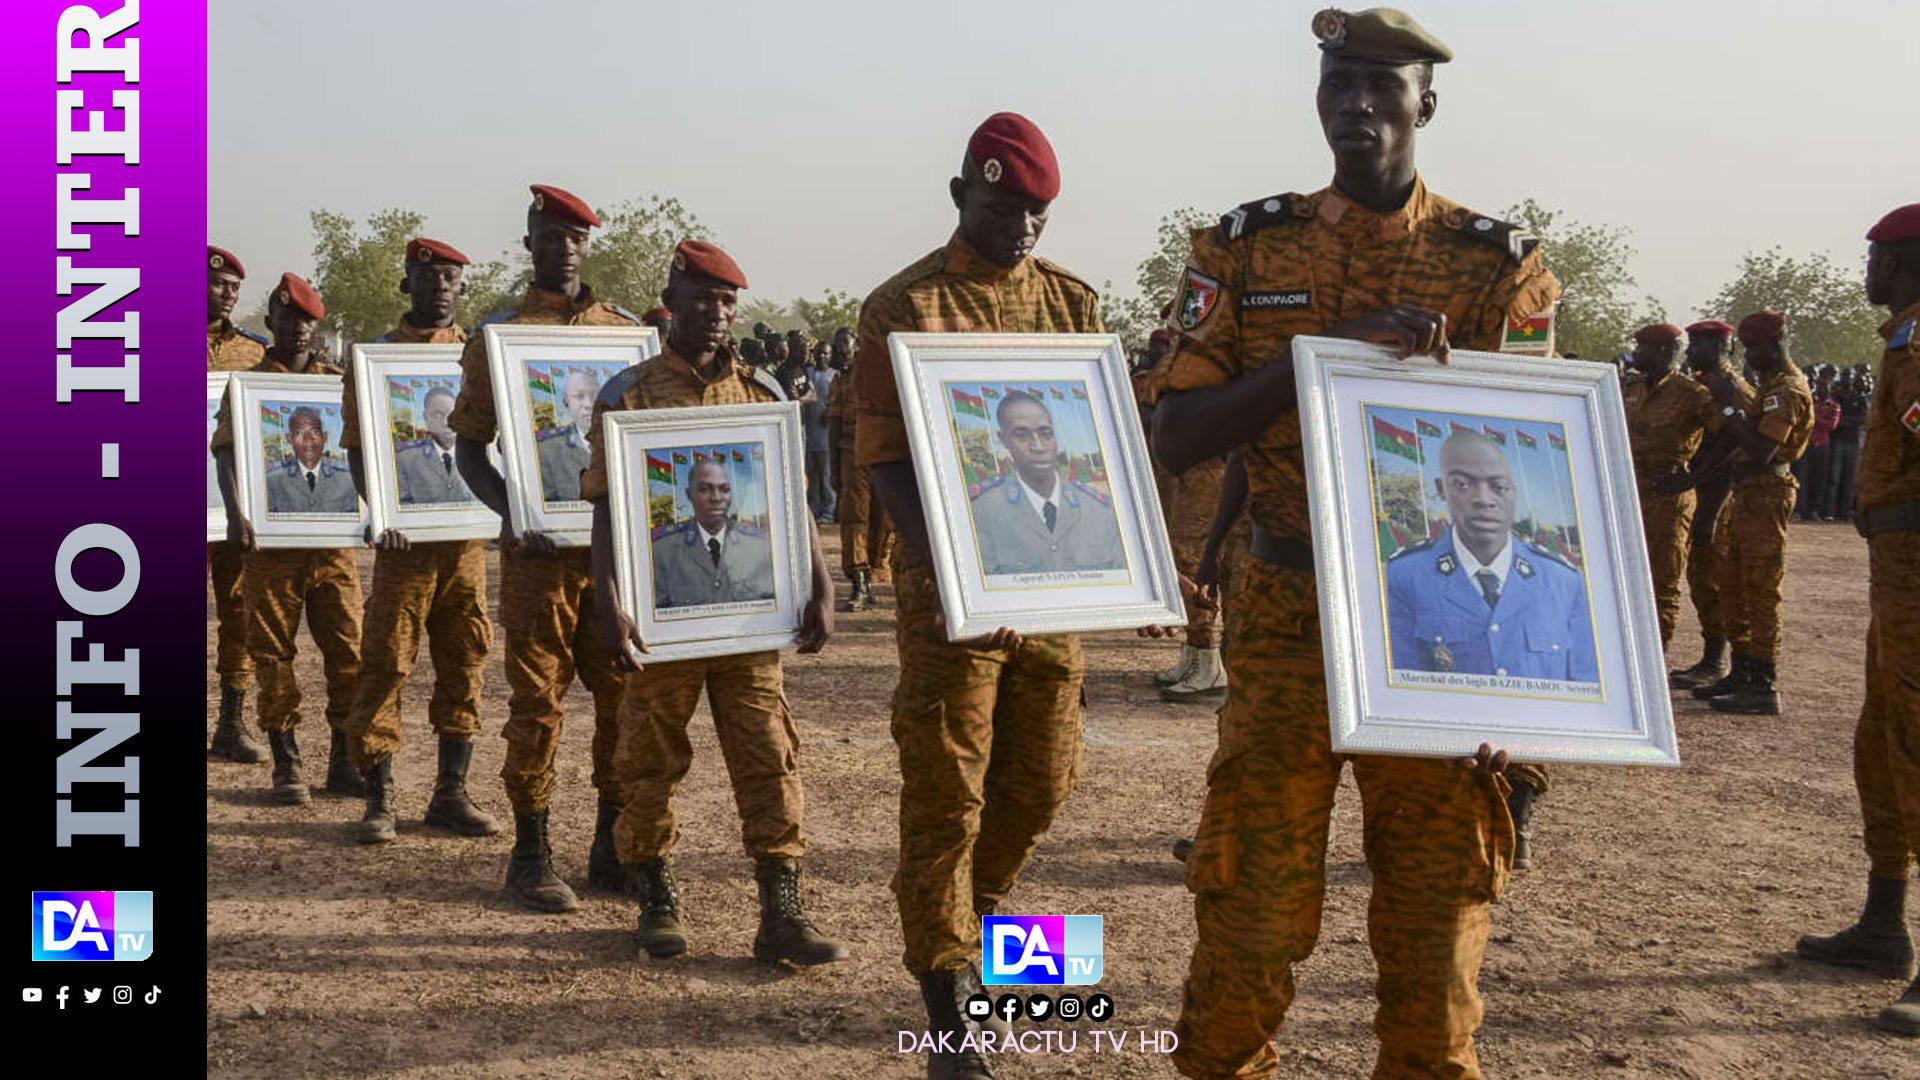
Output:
(420, 249)
(1009, 151)
(1762, 326)
(563, 206)
(295, 291)
(222, 259)
(1159, 336)
(1898, 225)
(700, 257)
(1657, 332)
(1713, 327)
(656, 316)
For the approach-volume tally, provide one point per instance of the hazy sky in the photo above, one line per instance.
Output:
(815, 139)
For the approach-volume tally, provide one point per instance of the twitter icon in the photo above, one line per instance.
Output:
(91, 995)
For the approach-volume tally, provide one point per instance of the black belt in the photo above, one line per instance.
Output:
(1285, 552)
(1897, 518)
(1772, 468)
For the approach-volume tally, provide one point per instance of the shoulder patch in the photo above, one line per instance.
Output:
(1911, 418)
(264, 340)
(616, 388)
(1091, 493)
(1410, 549)
(624, 313)
(1549, 555)
(769, 383)
(1901, 338)
(1250, 217)
(1516, 241)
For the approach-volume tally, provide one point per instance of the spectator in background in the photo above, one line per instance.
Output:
(753, 352)
(813, 430)
(1814, 464)
(1854, 392)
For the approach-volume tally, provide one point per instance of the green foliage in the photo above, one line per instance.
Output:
(358, 270)
(777, 314)
(633, 247)
(1599, 308)
(820, 318)
(1156, 280)
(491, 286)
(1828, 318)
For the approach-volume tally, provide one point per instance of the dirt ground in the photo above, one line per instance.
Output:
(1653, 937)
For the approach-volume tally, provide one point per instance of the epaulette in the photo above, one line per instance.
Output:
(770, 383)
(1411, 548)
(1549, 554)
(616, 388)
(1515, 240)
(1250, 217)
(1091, 493)
(749, 530)
(1056, 268)
(259, 339)
(499, 316)
(1902, 336)
(624, 313)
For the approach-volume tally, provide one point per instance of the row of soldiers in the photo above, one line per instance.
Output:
(988, 730)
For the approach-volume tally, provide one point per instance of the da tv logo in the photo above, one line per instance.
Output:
(1034, 949)
(92, 925)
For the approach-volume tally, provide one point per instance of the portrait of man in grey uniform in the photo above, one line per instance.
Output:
(1032, 521)
(711, 559)
(426, 473)
(562, 457)
(308, 484)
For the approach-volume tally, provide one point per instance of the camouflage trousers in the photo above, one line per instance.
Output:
(282, 584)
(1189, 505)
(866, 536)
(1704, 578)
(758, 742)
(439, 588)
(1668, 520)
(548, 617)
(225, 563)
(1886, 743)
(1438, 839)
(1753, 561)
(989, 744)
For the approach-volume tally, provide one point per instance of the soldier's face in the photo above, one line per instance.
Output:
(1026, 430)
(580, 393)
(223, 291)
(1655, 357)
(1765, 355)
(1883, 266)
(439, 408)
(435, 288)
(711, 494)
(308, 439)
(999, 224)
(1480, 494)
(292, 330)
(703, 311)
(558, 250)
(1705, 353)
(1369, 111)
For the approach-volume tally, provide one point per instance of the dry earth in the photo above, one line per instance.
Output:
(1652, 939)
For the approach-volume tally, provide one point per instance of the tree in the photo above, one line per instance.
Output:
(358, 273)
(1599, 310)
(764, 309)
(633, 248)
(490, 287)
(1828, 318)
(1156, 280)
(820, 318)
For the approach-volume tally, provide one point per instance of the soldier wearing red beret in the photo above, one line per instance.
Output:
(1709, 350)
(546, 592)
(283, 584)
(438, 587)
(1886, 743)
(1668, 416)
(230, 348)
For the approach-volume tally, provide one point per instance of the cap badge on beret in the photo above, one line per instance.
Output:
(991, 170)
(422, 254)
(539, 201)
(215, 262)
(679, 260)
(285, 297)
(1330, 26)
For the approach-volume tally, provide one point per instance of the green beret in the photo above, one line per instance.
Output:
(1383, 35)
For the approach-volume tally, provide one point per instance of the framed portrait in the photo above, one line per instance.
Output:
(216, 506)
(406, 393)
(710, 533)
(545, 379)
(1034, 478)
(292, 478)
(1482, 568)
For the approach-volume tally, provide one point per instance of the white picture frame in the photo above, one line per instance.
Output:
(1406, 648)
(661, 572)
(261, 448)
(1105, 562)
(530, 366)
(216, 506)
(401, 493)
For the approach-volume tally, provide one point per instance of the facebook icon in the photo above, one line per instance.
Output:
(1041, 949)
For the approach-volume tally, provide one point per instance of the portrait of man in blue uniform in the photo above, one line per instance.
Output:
(1477, 600)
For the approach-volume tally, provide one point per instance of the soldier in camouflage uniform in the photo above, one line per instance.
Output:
(1709, 345)
(438, 587)
(229, 348)
(1886, 743)
(282, 584)
(866, 533)
(1376, 257)
(546, 593)
(746, 692)
(988, 730)
(1668, 414)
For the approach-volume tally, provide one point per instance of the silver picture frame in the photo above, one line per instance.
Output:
(376, 366)
(250, 395)
(512, 350)
(1355, 401)
(630, 438)
(1105, 465)
(216, 506)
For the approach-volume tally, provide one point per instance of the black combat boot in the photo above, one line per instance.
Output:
(450, 807)
(530, 877)
(650, 881)
(342, 777)
(1878, 944)
(1726, 684)
(288, 788)
(1758, 696)
(376, 825)
(231, 740)
(604, 871)
(1903, 1016)
(1520, 805)
(945, 994)
(861, 598)
(1711, 668)
(785, 931)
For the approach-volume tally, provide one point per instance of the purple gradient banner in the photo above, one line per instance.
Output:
(105, 526)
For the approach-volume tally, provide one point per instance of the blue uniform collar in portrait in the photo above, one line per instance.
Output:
(1439, 619)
